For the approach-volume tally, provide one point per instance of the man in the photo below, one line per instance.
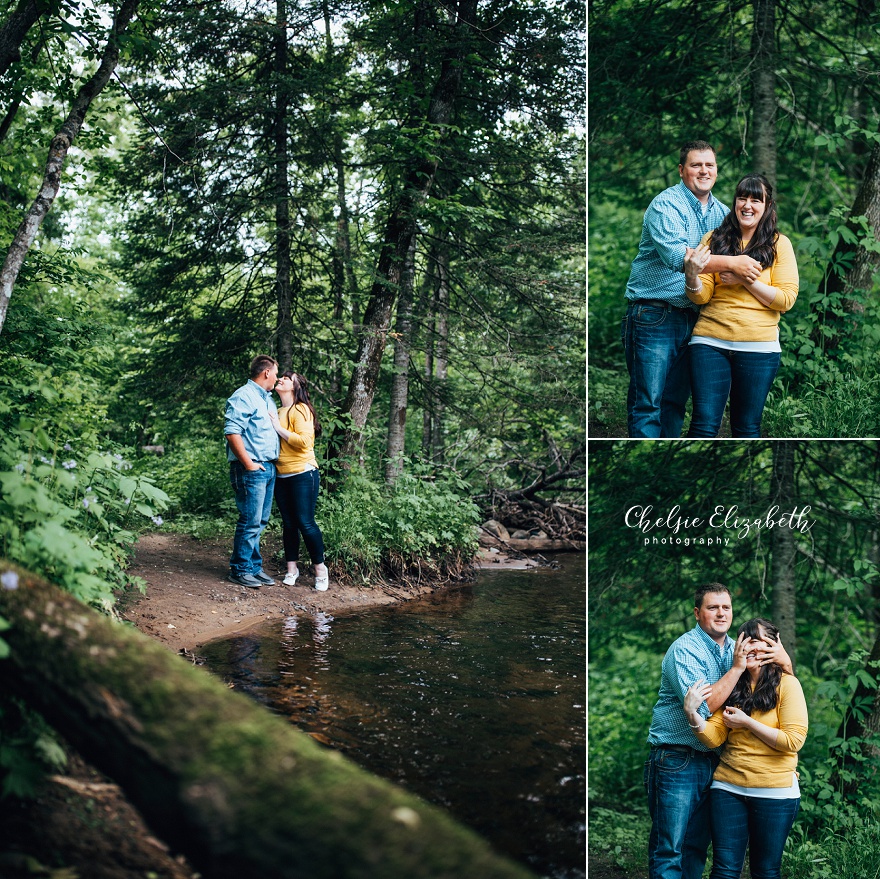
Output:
(679, 770)
(659, 318)
(252, 449)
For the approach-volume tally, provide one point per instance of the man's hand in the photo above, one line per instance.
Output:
(747, 268)
(741, 651)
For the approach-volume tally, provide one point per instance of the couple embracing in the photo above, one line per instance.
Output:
(724, 737)
(705, 295)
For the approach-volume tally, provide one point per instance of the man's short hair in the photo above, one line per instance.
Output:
(261, 363)
(694, 145)
(704, 589)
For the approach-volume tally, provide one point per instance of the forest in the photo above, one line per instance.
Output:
(790, 526)
(388, 198)
(787, 89)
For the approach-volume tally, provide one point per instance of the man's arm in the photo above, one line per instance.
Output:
(747, 268)
(724, 686)
(236, 443)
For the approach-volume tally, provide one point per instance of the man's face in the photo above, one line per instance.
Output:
(268, 377)
(715, 615)
(699, 172)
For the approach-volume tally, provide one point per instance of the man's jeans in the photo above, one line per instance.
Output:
(762, 824)
(677, 782)
(744, 376)
(253, 497)
(655, 340)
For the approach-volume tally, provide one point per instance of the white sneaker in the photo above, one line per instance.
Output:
(321, 583)
(290, 579)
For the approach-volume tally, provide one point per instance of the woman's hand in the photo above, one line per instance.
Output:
(731, 278)
(696, 694)
(695, 260)
(735, 718)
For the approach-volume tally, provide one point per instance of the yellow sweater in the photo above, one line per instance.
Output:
(298, 451)
(731, 313)
(749, 762)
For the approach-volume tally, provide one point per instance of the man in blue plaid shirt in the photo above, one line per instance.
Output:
(678, 772)
(660, 317)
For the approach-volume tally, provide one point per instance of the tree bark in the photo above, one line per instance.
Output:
(782, 544)
(283, 292)
(29, 227)
(399, 232)
(441, 357)
(852, 266)
(764, 89)
(396, 444)
(236, 788)
(16, 28)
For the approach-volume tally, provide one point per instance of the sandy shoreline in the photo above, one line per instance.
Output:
(189, 601)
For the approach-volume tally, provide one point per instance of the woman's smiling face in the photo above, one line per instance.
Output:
(749, 210)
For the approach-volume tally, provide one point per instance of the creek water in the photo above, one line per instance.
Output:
(472, 698)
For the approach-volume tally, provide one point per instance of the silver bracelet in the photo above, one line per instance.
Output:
(692, 289)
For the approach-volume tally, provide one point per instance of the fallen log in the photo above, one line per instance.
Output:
(533, 544)
(219, 778)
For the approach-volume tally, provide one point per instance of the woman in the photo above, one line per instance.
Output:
(755, 795)
(297, 480)
(734, 348)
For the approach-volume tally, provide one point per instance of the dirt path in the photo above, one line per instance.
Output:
(82, 826)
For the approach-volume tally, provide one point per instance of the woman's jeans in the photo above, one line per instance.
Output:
(655, 341)
(677, 781)
(297, 497)
(253, 497)
(757, 822)
(744, 376)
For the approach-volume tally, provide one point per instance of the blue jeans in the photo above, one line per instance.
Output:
(655, 340)
(760, 823)
(744, 376)
(297, 497)
(253, 497)
(677, 783)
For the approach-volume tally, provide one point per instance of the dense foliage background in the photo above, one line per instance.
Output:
(777, 93)
(813, 571)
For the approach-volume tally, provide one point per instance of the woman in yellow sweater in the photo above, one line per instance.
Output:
(754, 795)
(734, 348)
(297, 479)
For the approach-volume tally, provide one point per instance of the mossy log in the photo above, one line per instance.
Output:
(533, 544)
(221, 779)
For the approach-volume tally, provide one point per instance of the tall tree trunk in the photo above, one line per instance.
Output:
(764, 89)
(399, 232)
(58, 150)
(441, 357)
(782, 545)
(345, 288)
(396, 444)
(852, 266)
(16, 28)
(283, 292)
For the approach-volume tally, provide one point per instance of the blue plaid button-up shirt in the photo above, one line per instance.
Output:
(247, 414)
(674, 221)
(692, 656)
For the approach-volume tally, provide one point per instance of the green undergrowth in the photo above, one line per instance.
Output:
(422, 527)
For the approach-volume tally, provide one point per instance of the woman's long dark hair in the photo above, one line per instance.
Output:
(764, 697)
(301, 395)
(727, 238)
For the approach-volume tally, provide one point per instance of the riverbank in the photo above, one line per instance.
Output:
(81, 826)
(189, 601)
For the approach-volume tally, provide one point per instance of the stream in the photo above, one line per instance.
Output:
(473, 698)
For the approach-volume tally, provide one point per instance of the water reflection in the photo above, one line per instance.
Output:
(473, 699)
